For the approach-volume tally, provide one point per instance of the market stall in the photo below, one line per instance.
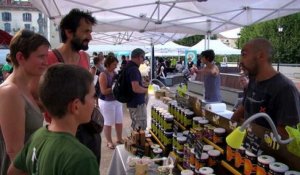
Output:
(194, 137)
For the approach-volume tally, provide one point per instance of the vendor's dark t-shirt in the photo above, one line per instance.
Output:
(277, 96)
(134, 74)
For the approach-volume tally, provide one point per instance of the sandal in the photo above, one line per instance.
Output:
(110, 145)
(120, 142)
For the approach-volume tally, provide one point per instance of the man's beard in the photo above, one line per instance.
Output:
(78, 45)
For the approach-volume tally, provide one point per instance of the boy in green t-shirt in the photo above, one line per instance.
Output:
(67, 92)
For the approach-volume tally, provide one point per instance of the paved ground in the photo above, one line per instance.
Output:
(106, 153)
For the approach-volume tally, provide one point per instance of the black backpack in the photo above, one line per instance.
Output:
(122, 89)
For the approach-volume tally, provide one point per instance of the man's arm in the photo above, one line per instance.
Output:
(137, 88)
(238, 115)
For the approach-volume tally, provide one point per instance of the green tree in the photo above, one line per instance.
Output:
(286, 43)
(192, 40)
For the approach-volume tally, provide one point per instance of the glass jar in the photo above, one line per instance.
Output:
(239, 157)
(213, 159)
(196, 122)
(181, 140)
(219, 136)
(250, 163)
(277, 168)
(263, 162)
(206, 170)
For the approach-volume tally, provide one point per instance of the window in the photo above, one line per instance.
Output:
(26, 17)
(27, 26)
(7, 27)
(6, 16)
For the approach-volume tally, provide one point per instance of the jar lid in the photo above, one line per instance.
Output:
(181, 139)
(168, 133)
(179, 134)
(186, 132)
(219, 130)
(197, 118)
(169, 116)
(189, 112)
(206, 170)
(154, 146)
(265, 159)
(242, 148)
(204, 156)
(180, 153)
(248, 153)
(207, 148)
(292, 173)
(214, 152)
(157, 150)
(187, 172)
(278, 167)
(203, 121)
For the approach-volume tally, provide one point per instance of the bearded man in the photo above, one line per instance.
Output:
(75, 31)
(268, 91)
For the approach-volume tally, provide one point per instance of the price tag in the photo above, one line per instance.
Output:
(191, 138)
(198, 148)
(252, 143)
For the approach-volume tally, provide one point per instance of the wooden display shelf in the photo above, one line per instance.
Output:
(157, 140)
(214, 145)
(180, 168)
(230, 168)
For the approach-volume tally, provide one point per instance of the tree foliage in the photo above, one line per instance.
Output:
(192, 40)
(286, 43)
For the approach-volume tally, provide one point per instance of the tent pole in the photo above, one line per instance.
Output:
(208, 38)
(152, 62)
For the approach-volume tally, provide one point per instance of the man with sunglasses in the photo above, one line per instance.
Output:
(268, 91)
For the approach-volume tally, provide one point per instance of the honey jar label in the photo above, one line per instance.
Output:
(239, 160)
(260, 171)
(249, 168)
(229, 153)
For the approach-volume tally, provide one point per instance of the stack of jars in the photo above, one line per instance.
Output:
(249, 163)
(162, 125)
(182, 115)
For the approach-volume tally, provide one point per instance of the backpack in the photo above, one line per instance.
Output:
(122, 89)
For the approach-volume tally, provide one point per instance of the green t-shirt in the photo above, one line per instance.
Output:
(53, 153)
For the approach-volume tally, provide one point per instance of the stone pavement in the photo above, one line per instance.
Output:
(106, 153)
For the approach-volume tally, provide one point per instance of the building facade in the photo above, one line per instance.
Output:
(21, 14)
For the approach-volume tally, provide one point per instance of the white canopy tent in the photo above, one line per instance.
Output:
(170, 46)
(168, 49)
(115, 48)
(218, 47)
(159, 21)
(166, 54)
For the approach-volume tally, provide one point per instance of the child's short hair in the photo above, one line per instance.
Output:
(61, 84)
